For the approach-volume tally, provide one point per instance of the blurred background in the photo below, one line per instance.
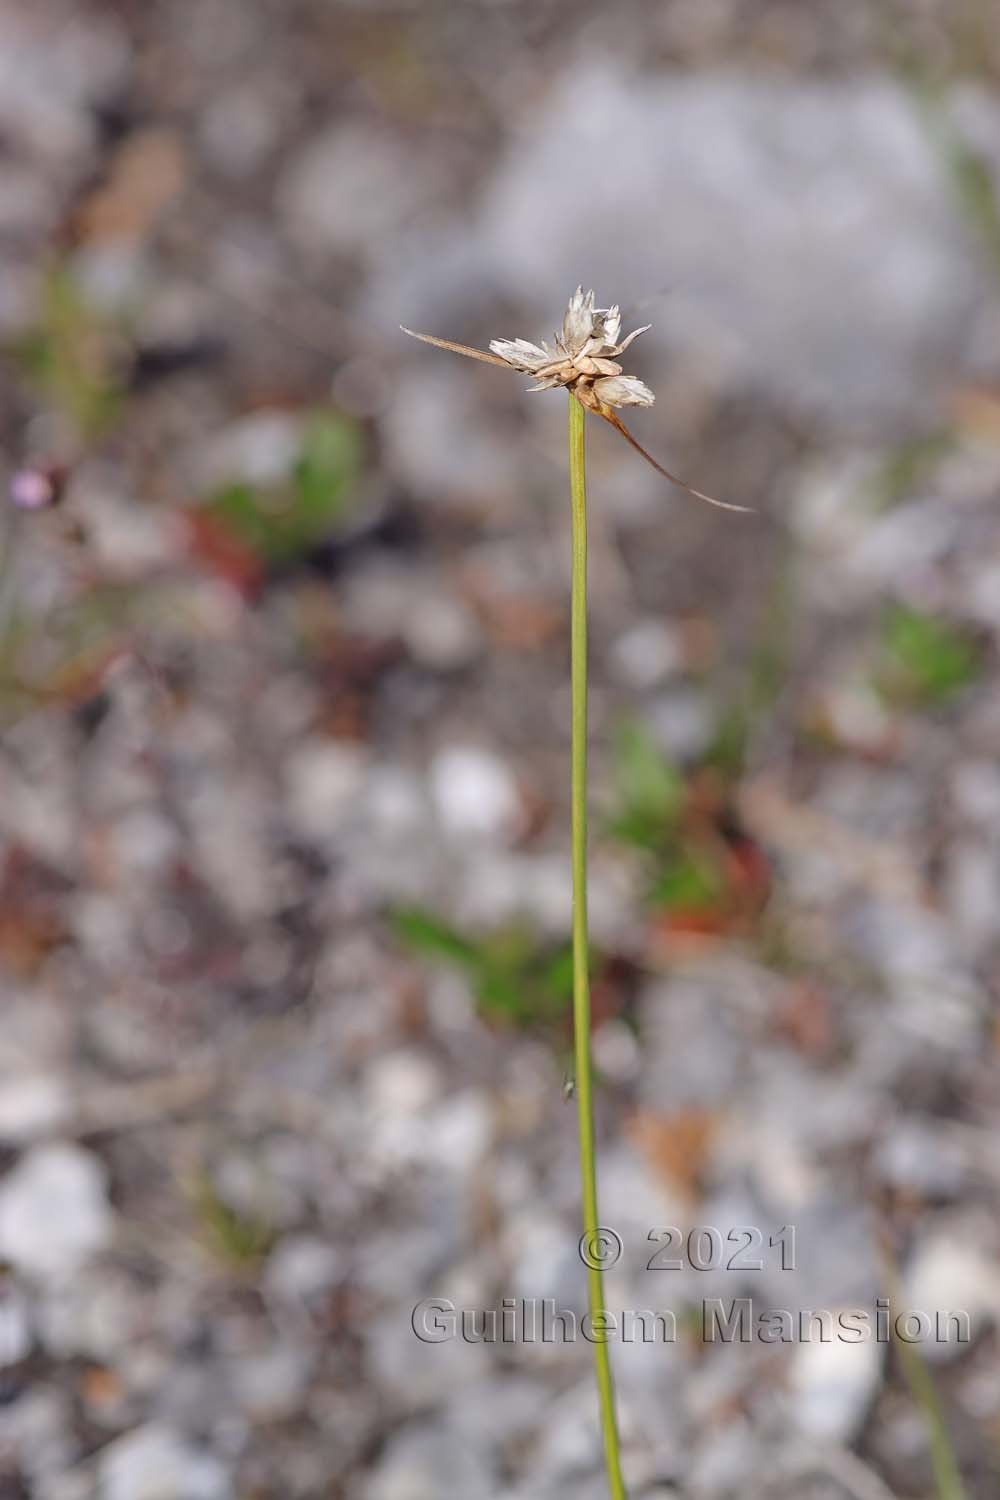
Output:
(284, 877)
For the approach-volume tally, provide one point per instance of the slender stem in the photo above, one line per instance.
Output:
(581, 956)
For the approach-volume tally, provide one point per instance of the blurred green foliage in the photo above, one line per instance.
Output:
(516, 976)
(906, 465)
(69, 357)
(654, 815)
(968, 168)
(925, 660)
(283, 522)
(235, 1237)
(649, 791)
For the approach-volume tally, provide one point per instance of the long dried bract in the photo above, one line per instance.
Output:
(428, 338)
(619, 426)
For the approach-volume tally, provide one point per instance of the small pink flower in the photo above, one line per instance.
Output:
(37, 486)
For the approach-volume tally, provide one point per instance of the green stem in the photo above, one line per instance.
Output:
(581, 956)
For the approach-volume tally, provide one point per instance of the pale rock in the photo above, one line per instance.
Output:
(241, 125)
(396, 803)
(496, 1413)
(324, 779)
(95, 1314)
(975, 791)
(422, 1463)
(127, 538)
(154, 1463)
(54, 1210)
(831, 1385)
(906, 541)
(442, 633)
(569, 1443)
(270, 1385)
(399, 1090)
(616, 1051)
(762, 186)
(475, 793)
(402, 1084)
(32, 1105)
(719, 1465)
(38, 1427)
(459, 1131)
(950, 1272)
(349, 189)
(972, 884)
(917, 1155)
(302, 1267)
(258, 449)
(646, 653)
(542, 1252)
(53, 69)
(435, 434)
(144, 842)
(682, 721)
(16, 1332)
(982, 598)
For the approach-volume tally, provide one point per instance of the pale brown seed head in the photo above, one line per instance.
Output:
(583, 360)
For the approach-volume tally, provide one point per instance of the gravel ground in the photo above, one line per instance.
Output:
(284, 878)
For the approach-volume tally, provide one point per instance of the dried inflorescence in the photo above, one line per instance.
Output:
(584, 360)
(584, 357)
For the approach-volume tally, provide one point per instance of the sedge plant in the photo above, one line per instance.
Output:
(583, 360)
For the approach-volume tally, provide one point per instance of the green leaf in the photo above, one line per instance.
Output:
(688, 882)
(429, 934)
(288, 520)
(515, 976)
(650, 790)
(928, 660)
(67, 356)
(327, 468)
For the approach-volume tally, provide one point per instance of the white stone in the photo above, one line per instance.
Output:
(144, 842)
(324, 779)
(54, 1210)
(241, 125)
(648, 652)
(153, 1463)
(269, 1385)
(975, 791)
(127, 538)
(442, 633)
(95, 1314)
(569, 1442)
(402, 1083)
(682, 721)
(949, 1272)
(16, 1336)
(420, 1463)
(832, 1385)
(785, 171)
(32, 1105)
(475, 793)
(459, 1131)
(972, 885)
(258, 449)
(301, 1266)
(616, 1051)
(396, 803)
(400, 1089)
(916, 1154)
(350, 188)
